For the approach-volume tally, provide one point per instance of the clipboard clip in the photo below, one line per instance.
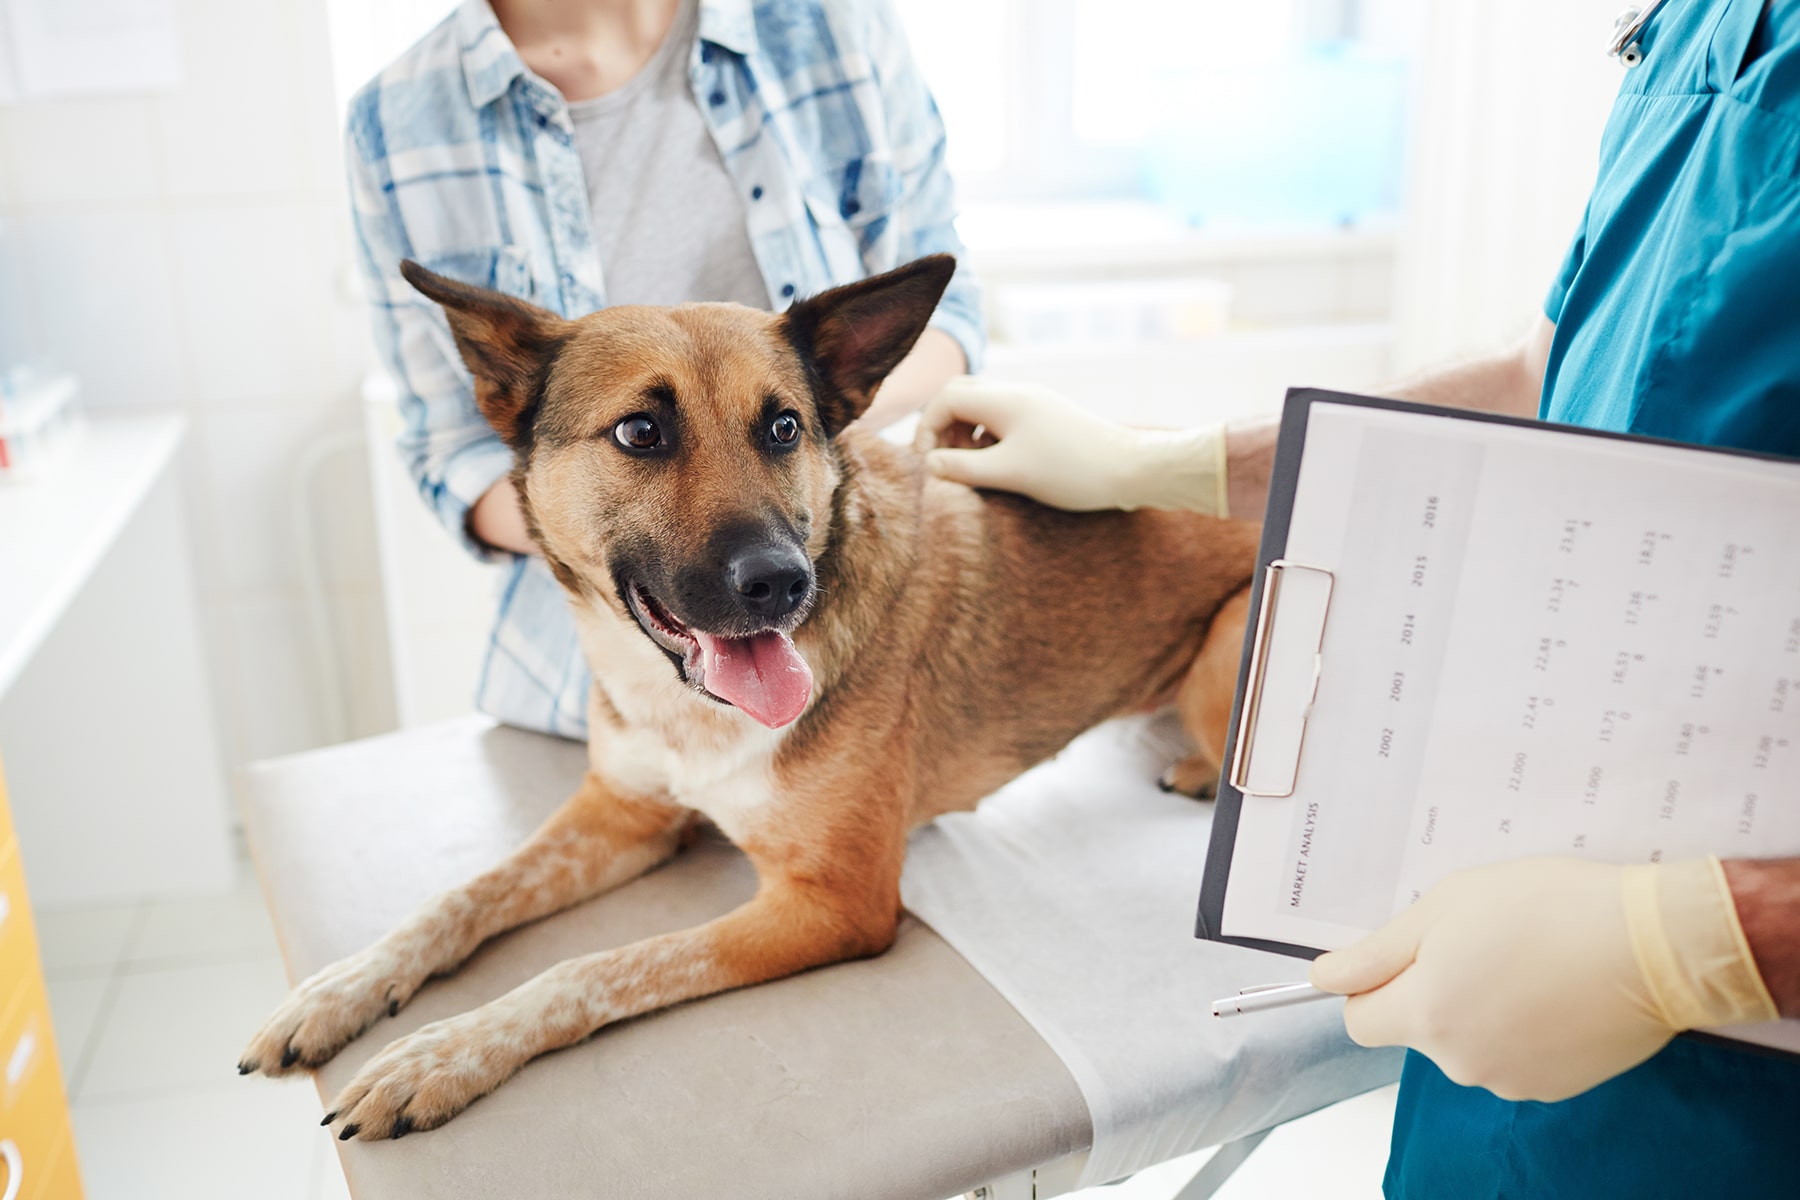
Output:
(1285, 668)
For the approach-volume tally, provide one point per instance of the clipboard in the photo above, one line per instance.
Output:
(1295, 598)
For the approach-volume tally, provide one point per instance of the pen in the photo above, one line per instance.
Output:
(1271, 995)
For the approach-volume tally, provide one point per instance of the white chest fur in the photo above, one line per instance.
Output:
(669, 740)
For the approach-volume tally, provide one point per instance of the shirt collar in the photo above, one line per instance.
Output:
(729, 23)
(490, 64)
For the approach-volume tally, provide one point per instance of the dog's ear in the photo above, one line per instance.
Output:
(854, 335)
(508, 345)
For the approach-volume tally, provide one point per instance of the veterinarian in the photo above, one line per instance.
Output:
(1675, 315)
(582, 153)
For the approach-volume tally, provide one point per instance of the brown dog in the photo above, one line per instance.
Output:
(793, 632)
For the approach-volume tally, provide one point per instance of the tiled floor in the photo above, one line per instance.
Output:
(154, 1000)
(152, 1003)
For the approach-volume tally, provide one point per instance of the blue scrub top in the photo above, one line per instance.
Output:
(1677, 316)
(1678, 308)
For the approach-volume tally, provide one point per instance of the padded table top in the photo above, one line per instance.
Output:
(902, 1076)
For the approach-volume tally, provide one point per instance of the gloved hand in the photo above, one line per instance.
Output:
(1059, 454)
(1541, 978)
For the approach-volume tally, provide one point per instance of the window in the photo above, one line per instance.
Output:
(1219, 108)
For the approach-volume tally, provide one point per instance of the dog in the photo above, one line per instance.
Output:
(795, 632)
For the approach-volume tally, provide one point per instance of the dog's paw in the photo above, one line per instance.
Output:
(427, 1077)
(326, 1011)
(1194, 777)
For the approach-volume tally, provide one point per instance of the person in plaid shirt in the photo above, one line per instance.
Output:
(632, 151)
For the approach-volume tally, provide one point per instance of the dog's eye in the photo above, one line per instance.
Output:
(638, 432)
(785, 429)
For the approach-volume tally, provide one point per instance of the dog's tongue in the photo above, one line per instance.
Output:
(763, 675)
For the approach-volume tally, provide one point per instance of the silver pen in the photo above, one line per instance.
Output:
(1269, 995)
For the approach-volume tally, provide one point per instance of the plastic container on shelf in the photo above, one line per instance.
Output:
(39, 422)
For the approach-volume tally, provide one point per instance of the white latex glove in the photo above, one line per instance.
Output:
(1541, 978)
(1060, 454)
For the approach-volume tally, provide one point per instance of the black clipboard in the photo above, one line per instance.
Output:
(1270, 563)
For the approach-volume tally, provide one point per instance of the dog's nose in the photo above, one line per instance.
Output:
(771, 581)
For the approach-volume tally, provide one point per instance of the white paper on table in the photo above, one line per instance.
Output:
(1539, 642)
(81, 47)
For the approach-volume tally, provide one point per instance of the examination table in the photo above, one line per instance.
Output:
(911, 1075)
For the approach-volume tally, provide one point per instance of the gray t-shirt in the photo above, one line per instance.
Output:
(668, 220)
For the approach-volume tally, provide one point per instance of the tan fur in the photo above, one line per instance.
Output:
(1205, 700)
(955, 640)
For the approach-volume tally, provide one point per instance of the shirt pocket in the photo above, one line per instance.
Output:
(499, 268)
(852, 203)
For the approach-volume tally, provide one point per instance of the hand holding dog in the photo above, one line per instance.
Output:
(1541, 978)
(1056, 452)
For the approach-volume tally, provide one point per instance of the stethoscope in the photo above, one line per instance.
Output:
(1626, 27)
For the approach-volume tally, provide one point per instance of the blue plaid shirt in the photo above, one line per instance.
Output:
(464, 160)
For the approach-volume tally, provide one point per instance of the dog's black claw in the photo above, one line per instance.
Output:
(289, 1057)
(402, 1127)
(245, 1068)
(329, 1117)
(393, 1008)
(1163, 785)
(349, 1131)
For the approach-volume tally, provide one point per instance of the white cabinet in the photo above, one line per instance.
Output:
(106, 724)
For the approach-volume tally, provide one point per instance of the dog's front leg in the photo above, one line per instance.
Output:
(597, 840)
(424, 1079)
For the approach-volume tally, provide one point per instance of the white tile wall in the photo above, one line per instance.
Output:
(276, 672)
(251, 452)
(81, 150)
(6, 158)
(186, 250)
(98, 280)
(240, 134)
(359, 621)
(253, 291)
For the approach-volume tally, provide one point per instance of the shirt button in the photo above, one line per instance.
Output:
(756, 192)
(787, 289)
(851, 207)
(717, 98)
